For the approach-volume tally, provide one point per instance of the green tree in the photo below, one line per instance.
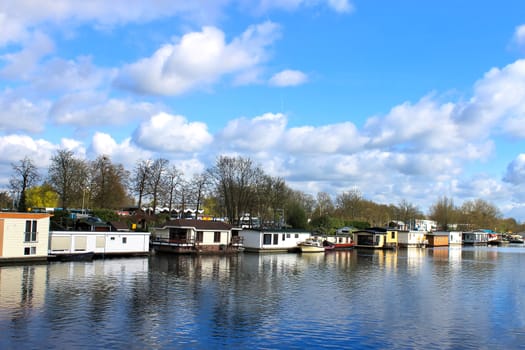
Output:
(69, 178)
(43, 196)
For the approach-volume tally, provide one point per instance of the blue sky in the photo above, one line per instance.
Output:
(403, 100)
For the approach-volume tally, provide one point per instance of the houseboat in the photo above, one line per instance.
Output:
(196, 236)
(341, 241)
(23, 236)
(376, 238)
(273, 240)
(477, 237)
(412, 238)
(86, 245)
(438, 238)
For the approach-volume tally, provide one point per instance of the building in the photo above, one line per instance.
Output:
(196, 236)
(438, 239)
(477, 237)
(273, 240)
(100, 243)
(23, 236)
(412, 239)
(376, 238)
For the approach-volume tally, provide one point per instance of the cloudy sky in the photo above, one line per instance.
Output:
(400, 99)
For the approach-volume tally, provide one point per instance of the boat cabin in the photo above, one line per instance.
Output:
(376, 238)
(196, 236)
(273, 240)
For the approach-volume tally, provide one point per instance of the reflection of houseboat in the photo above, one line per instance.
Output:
(477, 237)
(196, 236)
(272, 240)
(412, 239)
(376, 238)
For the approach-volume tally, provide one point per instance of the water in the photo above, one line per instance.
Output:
(457, 298)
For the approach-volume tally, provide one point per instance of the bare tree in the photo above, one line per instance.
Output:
(108, 184)
(234, 179)
(140, 179)
(173, 179)
(25, 175)
(68, 177)
(444, 212)
(155, 180)
(199, 185)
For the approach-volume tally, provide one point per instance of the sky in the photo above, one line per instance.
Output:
(401, 100)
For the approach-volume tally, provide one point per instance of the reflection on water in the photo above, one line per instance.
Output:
(412, 298)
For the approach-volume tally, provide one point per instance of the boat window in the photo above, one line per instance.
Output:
(276, 239)
(124, 240)
(267, 238)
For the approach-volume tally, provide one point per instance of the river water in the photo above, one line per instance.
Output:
(446, 298)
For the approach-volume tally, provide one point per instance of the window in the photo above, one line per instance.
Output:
(284, 237)
(29, 250)
(30, 232)
(112, 238)
(267, 238)
(216, 237)
(200, 236)
(296, 235)
(287, 235)
(276, 238)
(393, 235)
(124, 240)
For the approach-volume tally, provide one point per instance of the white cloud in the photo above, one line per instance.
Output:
(21, 114)
(21, 64)
(289, 78)
(343, 6)
(499, 95)
(333, 138)
(262, 6)
(519, 36)
(16, 147)
(516, 171)
(258, 134)
(172, 133)
(88, 109)
(58, 75)
(124, 153)
(199, 59)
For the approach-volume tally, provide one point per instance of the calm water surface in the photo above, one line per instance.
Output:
(457, 298)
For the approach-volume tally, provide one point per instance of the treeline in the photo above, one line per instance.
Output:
(231, 188)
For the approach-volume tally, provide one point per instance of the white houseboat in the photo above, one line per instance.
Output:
(196, 236)
(269, 240)
(82, 245)
(412, 238)
(477, 237)
(23, 236)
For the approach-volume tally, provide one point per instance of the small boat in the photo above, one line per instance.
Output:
(82, 256)
(311, 246)
(516, 239)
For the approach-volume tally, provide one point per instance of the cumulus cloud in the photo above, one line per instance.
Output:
(333, 138)
(20, 114)
(498, 96)
(258, 134)
(89, 109)
(20, 17)
(21, 64)
(172, 133)
(288, 78)
(199, 59)
(59, 75)
(516, 171)
(124, 153)
(519, 36)
(341, 6)
(15, 147)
